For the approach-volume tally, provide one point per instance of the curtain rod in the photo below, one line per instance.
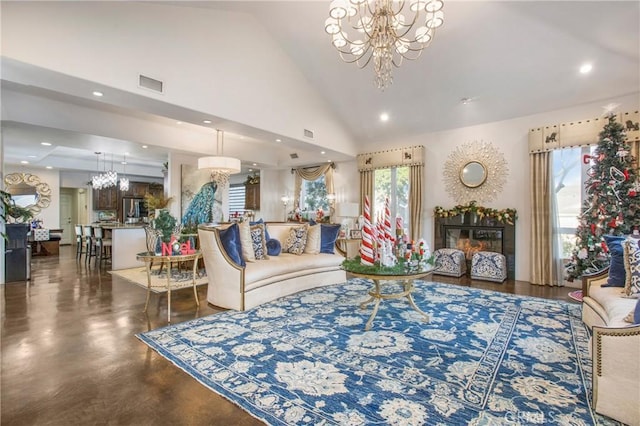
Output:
(293, 170)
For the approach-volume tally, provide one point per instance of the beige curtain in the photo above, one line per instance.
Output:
(311, 174)
(541, 255)
(415, 201)
(366, 187)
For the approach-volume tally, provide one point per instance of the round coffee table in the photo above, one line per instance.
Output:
(376, 292)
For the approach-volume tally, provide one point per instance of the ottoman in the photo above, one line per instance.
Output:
(489, 266)
(450, 262)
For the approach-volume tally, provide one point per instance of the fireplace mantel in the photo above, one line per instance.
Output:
(471, 233)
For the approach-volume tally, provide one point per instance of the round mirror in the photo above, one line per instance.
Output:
(473, 174)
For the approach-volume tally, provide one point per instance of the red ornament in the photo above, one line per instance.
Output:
(626, 174)
(632, 193)
(593, 228)
(613, 223)
(604, 247)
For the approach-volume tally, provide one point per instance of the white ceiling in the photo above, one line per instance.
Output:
(511, 58)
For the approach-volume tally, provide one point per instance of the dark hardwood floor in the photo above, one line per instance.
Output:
(70, 355)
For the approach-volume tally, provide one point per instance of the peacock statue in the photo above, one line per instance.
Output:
(202, 207)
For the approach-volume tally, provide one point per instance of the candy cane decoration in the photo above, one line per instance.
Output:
(387, 221)
(366, 248)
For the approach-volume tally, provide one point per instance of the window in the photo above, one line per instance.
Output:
(313, 196)
(392, 183)
(569, 175)
(236, 200)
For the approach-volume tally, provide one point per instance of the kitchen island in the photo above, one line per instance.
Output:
(126, 242)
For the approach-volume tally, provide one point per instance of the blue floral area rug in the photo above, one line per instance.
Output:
(485, 358)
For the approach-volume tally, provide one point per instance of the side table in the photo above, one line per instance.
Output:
(149, 258)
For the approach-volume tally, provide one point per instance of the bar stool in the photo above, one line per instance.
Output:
(102, 245)
(89, 242)
(79, 242)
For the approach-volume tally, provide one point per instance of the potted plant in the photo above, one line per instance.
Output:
(153, 203)
(166, 224)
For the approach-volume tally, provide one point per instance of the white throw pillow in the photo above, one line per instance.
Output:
(313, 240)
(246, 241)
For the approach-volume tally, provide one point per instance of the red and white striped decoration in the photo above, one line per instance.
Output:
(388, 235)
(366, 248)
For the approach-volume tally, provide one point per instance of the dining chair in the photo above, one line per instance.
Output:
(102, 245)
(79, 242)
(89, 242)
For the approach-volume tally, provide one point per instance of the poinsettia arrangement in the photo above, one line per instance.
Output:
(504, 216)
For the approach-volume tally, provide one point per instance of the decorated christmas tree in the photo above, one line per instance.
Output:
(611, 206)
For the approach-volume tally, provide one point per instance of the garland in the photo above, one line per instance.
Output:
(504, 216)
(355, 265)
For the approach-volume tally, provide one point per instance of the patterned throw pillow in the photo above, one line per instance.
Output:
(296, 240)
(259, 241)
(246, 242)
(313, 240)
(632, 266)
(634, 316)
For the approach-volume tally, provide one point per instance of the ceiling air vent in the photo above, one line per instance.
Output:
(293, 156)
(308, 134)
(151, 83)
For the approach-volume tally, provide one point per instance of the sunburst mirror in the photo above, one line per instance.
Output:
(475, 171)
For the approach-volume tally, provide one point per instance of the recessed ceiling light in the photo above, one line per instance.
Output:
(465, 101)
(24, 162)
(48, 167)
(255, 164)
(145, 146)
(250, 170)
(178, 122)
(98, 94)
(278, 140)
(206, 121)
(586, 68)
(384, 117)
(31, 156)
(123, 162)
(45, 143)
(322, 152)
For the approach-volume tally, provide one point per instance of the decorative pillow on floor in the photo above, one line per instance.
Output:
(246, 242)
(313, 240)
(296, 240)
(328, 237)
(632, 268)
(616, 267)
(259, 241)
(230, 239)
(273, 247)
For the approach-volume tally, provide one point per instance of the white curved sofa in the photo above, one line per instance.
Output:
(236, 287)
(615, 349)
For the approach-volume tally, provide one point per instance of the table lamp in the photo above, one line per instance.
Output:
(348, 211)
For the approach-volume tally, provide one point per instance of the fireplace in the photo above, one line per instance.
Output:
(471, 234)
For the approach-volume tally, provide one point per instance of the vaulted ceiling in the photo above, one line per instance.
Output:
(510, 59)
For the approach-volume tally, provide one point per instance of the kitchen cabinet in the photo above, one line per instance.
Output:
(105, 199)
(136, 190)
(252, 196)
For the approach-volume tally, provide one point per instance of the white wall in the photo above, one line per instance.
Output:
(182, 47)
(511, 138)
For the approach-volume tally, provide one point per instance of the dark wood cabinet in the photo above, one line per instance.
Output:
(136, 190)
(252, 196)
(105, 199)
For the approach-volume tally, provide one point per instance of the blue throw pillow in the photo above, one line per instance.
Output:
(328, 236)
(273, 247)
(230, 239)
(617, 273)
(266, 231)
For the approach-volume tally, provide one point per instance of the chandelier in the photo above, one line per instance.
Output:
(124, 181)
(219, 166)
(106, 179)
(379, 31)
